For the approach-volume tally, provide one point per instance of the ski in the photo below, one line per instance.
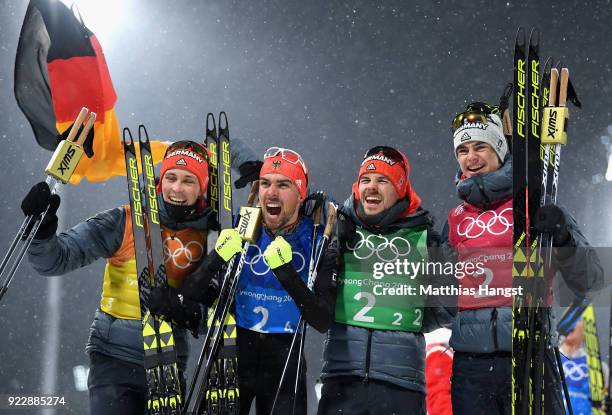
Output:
(161, 372)
(597, 386)
(248, 227)
(537, 316)
(216, 390)
(528, 322)
(212, 144)
(222, 391)
(520, 333)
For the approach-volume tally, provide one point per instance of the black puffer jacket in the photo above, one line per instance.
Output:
(397, 357)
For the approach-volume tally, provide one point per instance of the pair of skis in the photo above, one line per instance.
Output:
(160, 360)
(60, 168)
(539, 130)
(214, 388)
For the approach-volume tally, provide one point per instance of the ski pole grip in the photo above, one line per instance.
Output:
(83, 136)
(563, 87)
(554, 79)
(331, 218)
(77, 124)
(253, 193)
(507, 123)
(317, 214)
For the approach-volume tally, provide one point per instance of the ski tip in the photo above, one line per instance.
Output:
(211, 126)
(534, 37)
(142, 133)
(520, 36)
(223, 120)
(127, 136)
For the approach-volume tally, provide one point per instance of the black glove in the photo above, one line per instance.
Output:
(550, 219)
(167, 302)
(347, 230)
(197, 285)
(312, 202)
(35, 203)
(249, 172)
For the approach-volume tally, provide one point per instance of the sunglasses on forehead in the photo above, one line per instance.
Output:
(475, 112)
(188, 145)
(287, 155)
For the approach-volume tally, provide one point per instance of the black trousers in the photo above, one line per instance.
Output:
(351, 395)
(115, 387)
(261, 358)
(482, 383)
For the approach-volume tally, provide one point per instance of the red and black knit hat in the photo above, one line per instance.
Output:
(394, 165)
(288, 163)
(189, 156)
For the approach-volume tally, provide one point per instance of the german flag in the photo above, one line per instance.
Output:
(60, 68)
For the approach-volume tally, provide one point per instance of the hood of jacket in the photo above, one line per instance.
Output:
(486, 190)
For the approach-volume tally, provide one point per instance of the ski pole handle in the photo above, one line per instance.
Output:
(77, 124)
(554, 79)
(563, 87)
(88, 126)
(332, 212)
(317, 214)
(253, 193)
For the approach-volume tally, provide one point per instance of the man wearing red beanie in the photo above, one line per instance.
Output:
(273, 287)
(116, 381)
(376, 346)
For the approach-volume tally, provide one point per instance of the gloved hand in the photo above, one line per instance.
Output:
(228, 244)
(249, 172)
(312, 202)
(278, 253)
(550, 219)
(347, 230)
(35, 203)
(168, 303)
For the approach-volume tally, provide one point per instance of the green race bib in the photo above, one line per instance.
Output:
(380, 280)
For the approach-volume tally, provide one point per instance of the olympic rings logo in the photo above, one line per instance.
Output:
(257, 259)
(575, 371)
(183, 255)
(472, 228)
(386, 250)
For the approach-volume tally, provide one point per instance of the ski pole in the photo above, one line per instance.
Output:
(317, 223)
(59, 169)
(563, 381)
(21, 234)
(313, 253)
(301, 326)
(249, 223)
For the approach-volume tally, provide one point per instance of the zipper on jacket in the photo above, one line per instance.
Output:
(366, 379)
(494, 328)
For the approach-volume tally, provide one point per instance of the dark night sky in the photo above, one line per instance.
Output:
(327, 78)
